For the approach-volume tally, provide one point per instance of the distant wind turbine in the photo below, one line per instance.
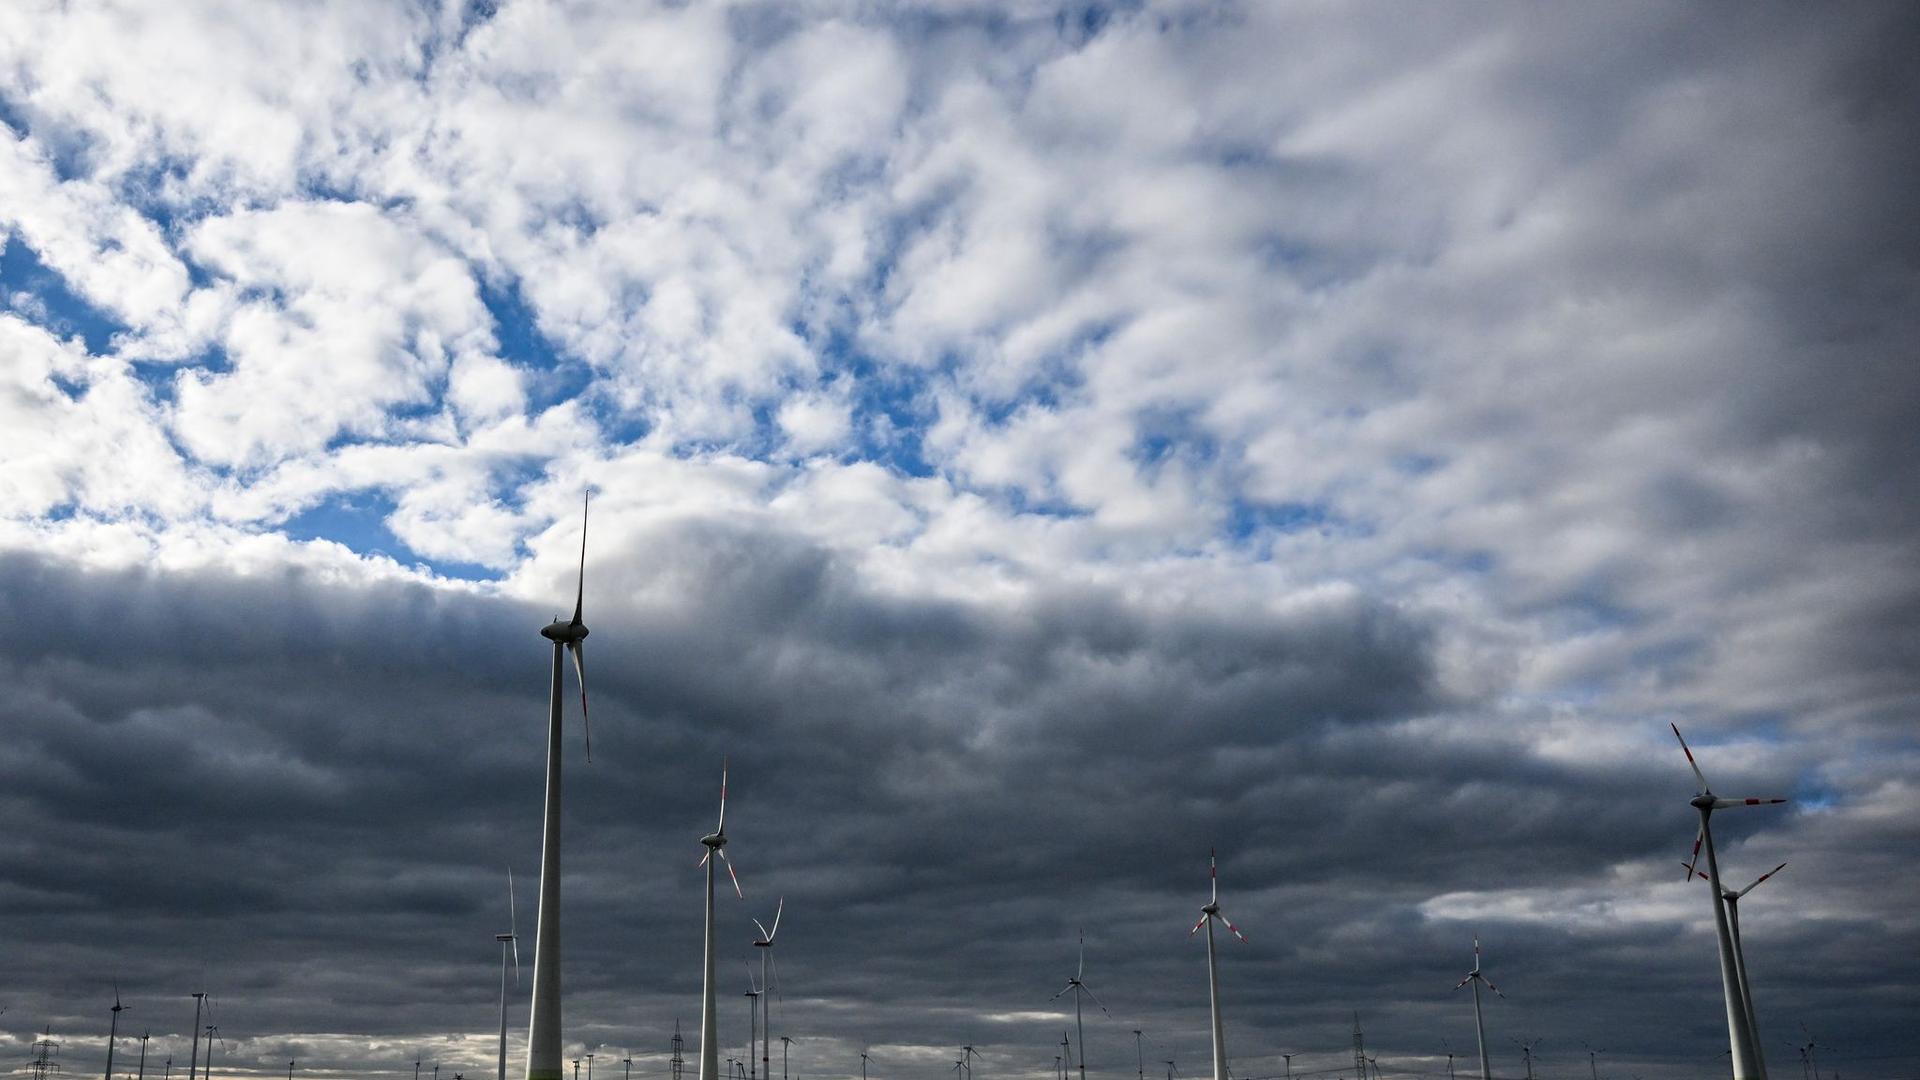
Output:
(1078, 986)
(716, 842)
(508, 940)
(113, 1029)
(1747, 1063)
(753, 995)
(543, 1028)
(769, 974)
(1476, 977)
(1731, 899)
(1208, 916)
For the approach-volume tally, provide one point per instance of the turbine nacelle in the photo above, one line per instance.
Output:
(564, 633)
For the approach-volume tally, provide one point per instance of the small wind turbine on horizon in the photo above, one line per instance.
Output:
(508, 940)
(1476, 977)
(716, 844)
(543, 1027)
(1077, 984)
(1208, 916)
(1747, 1061)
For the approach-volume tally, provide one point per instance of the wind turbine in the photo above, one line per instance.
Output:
(1731, 899)
(113, 1029)
(716, 842)
(193, 1063)
(1476, 977)
(765, 943)
(543, 1028)
(1078, 986)
(753, 995)
(1208, 916)
(508, 940)
(1747, 1064)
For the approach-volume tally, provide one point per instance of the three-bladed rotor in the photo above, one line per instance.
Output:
(512, 936)
(1212, 908)
(716, 840)
(573, 633)
(1476, 973)
(1705, 799)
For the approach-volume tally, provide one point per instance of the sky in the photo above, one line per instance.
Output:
(1032, 444)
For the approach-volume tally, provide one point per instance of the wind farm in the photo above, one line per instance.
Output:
(1016, 452)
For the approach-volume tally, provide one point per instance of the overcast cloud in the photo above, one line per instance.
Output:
(1034, 443)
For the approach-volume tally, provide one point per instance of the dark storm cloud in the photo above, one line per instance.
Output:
(303, 794)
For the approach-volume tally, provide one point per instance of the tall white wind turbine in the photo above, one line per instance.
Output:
(769, 974)
(1747, 1064)
(1078, 986)
(1208, 916)
(1731, 899)
(508, 941)
(1476, 977)
(716, 842)
(543, 1029)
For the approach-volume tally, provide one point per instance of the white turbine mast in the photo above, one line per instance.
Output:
(1208, 916)
(1078, 986)
(1476, 977)
(1731, 898)
(1745, 1048)
(543, 1028)
(716, 844)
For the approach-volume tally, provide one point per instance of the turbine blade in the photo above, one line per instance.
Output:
(1096, 1001)
(1213, 875)
(1063, 990)
(1490, 985)
(722, 852)
(1197, 926)
(1229, 925)
(1698, 775)
(773, 975)
(1463, 982)
(579, 651)
(751, 985)
(723, 796)
(1694, 859)
(1082, 969)
(763, 930)
(704, 858)
(1722, 804)
(580, 594)
(1758, 880)
(782, 906)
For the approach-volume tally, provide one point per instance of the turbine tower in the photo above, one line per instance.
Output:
(1078, 986)
(716, 842)
(1476, 977)
(1208, 916)
(767, 978)
(1732, 900)
(543, 1029)
(1746, 1055)
(508, 940)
